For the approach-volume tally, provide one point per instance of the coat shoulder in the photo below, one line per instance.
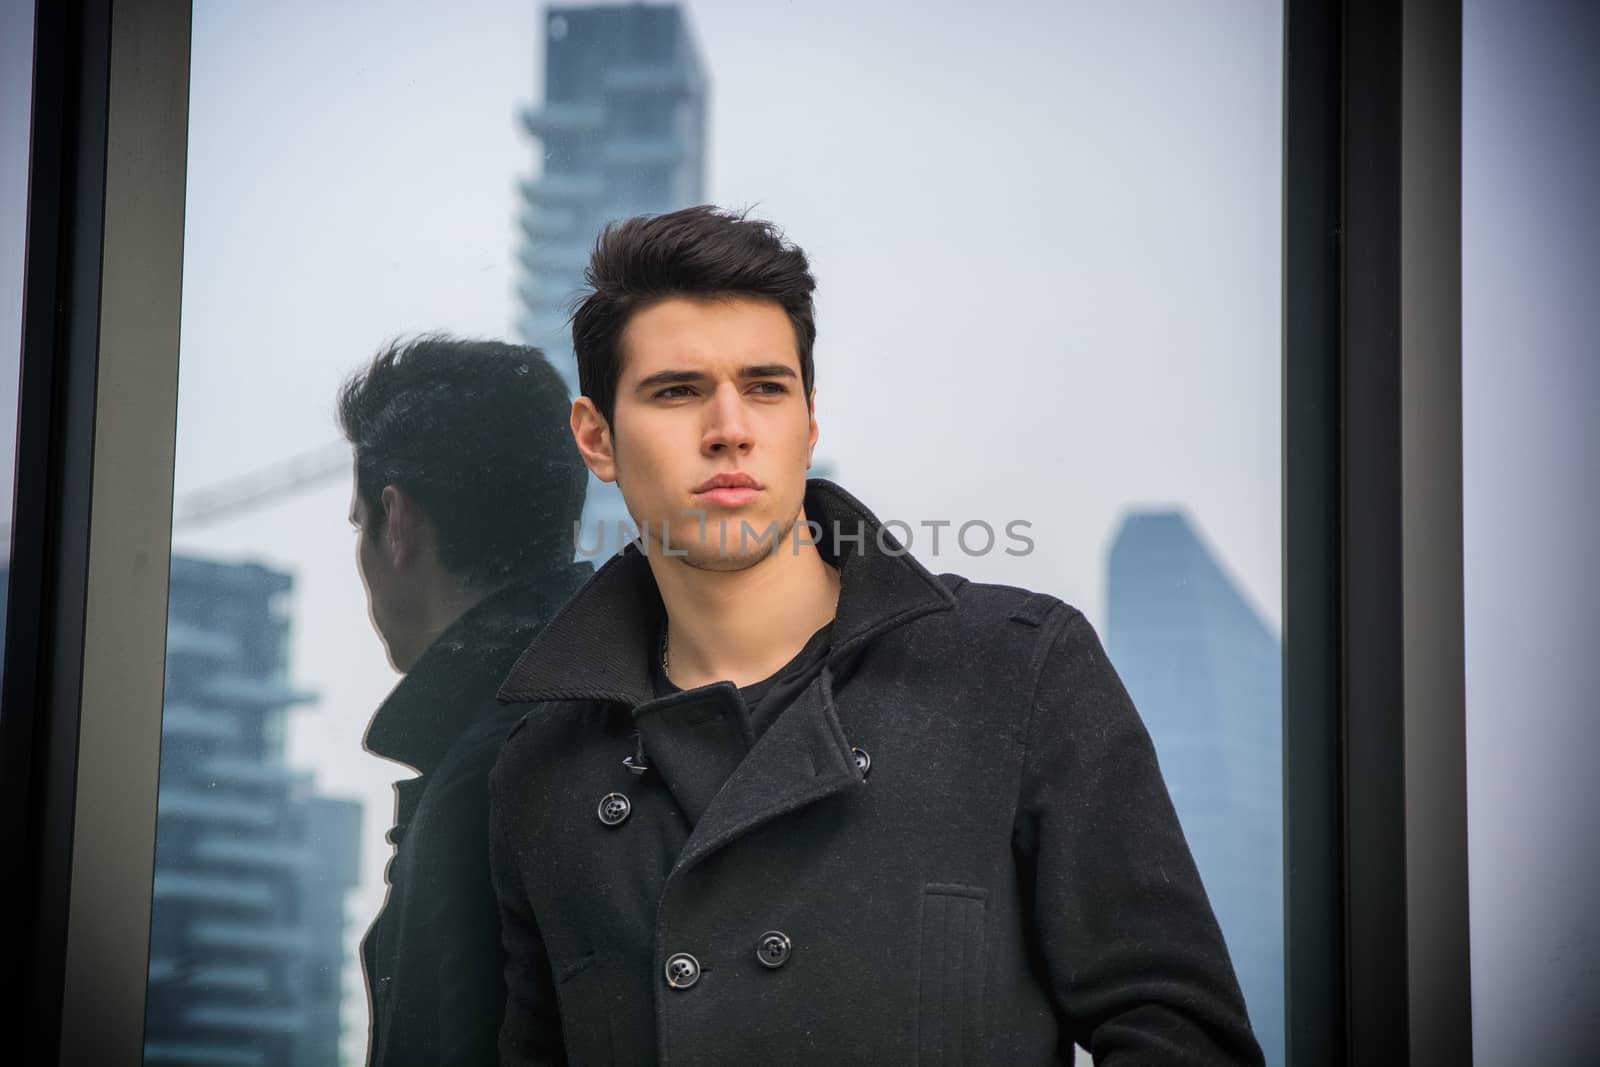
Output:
(549, 733)
(1009, 610)
(994, 639)
(543, 714)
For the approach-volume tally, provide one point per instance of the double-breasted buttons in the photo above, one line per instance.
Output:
(773, 948)
(614, 808)
(683, 970)
(863, 760)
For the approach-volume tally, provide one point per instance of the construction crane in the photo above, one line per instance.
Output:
(246, 492)
(262, 486)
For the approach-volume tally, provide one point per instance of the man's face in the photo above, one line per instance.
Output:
(711, 387)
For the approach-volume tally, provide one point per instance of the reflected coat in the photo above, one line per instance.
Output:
(432, 957)
(1006, 876)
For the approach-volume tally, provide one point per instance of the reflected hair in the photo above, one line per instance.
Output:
(476, 432)
(699, 252)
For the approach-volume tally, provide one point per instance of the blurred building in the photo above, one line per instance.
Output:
(1206, 674)
(622, 131)
(252, 866)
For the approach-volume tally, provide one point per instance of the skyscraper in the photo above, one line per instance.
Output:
(1206, 673)
(252, 866)
(623, 132)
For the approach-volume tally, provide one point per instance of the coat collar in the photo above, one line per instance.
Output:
(598, 647)
(431, 706)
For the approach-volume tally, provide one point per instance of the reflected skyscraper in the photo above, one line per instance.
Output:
(1206, 673)
(252, 866)
(622, 132)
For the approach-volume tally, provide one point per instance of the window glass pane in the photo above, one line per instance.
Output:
(1530, 454)
(16, 107)
(1046, 238)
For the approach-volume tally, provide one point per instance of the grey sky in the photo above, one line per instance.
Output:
(1046, 237)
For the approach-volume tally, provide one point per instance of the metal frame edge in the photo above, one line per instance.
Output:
(129, 536)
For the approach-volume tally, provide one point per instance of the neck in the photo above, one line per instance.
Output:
(742, 626)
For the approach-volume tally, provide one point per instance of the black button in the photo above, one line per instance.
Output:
(614, 808)
(683, 970)
(773, 948)
(863, 761)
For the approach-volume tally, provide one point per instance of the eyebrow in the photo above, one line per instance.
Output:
(686, 377)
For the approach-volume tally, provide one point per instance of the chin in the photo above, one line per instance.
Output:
(715, 560)
(767, 535)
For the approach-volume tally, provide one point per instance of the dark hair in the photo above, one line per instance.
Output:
(476, 432)
(697, 252)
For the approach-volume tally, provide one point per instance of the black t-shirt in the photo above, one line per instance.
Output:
(766, 698)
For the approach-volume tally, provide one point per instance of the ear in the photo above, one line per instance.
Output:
(593, 438)
(404, 526)
(811, 411)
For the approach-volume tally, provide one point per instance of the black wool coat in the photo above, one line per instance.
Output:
(953, 847)
(432, 957)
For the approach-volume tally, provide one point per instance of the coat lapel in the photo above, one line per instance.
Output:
(801, 758)
(695, 740)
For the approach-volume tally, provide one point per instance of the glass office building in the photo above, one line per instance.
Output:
(252, 862)
(1206, 672)
(621, 132)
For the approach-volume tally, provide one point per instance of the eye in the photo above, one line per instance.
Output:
(772, 388)
(673, 392)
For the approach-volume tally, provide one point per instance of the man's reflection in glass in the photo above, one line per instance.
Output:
(466, 490)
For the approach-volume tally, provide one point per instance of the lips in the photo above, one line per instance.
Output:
(728, 480)
(729, 490)
(728, 498)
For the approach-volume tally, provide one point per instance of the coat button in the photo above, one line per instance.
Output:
(863, 761)
(683, 970)
(636, 763)
(773, 948)
(614, 808)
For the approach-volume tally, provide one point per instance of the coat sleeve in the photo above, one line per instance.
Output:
(530, 1033)
(1133, 959)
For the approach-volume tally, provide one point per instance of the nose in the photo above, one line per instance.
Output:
(726, 427)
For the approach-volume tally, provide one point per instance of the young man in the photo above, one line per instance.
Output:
(466, 490)
(782, 802)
